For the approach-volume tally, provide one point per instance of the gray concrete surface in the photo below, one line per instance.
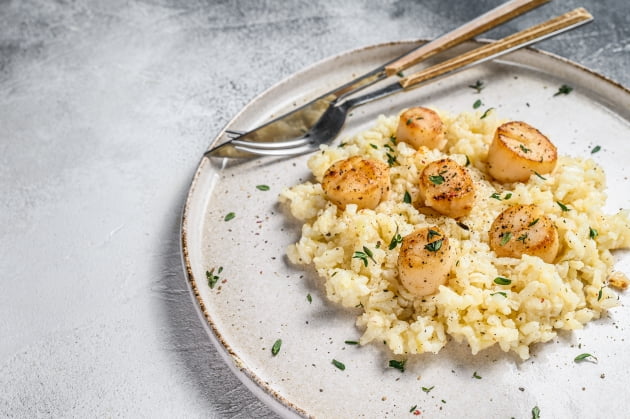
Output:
(105, 109)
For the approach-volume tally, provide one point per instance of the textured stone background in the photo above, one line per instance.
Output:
(105, 109)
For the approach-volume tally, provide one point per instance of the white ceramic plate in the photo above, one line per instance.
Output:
(260, 297)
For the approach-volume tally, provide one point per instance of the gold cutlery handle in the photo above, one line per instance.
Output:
(475, 27)
(512, 42)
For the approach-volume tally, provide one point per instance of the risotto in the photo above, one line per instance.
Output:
(486, 300)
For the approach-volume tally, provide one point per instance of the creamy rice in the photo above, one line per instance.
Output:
(541, 299)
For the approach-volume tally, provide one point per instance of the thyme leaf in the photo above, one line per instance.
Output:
(434, 246)
(486, 113)
(478, 86)
(505, 237)
(396, 240)
(539, 175)
(563, 207)
(399, 365)
(276, 347)
(535, 412)
(565, 89)
(502, 281)
(338, 364)
(585, 357)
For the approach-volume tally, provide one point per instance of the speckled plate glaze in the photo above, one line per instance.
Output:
(260, 297)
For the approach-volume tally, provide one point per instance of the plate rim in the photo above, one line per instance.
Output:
(262, 390)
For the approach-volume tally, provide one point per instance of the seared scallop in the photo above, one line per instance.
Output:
(425, 261)
(364, 182)
(524, 229)
(421, 127)
(519, 150)
(447, 187)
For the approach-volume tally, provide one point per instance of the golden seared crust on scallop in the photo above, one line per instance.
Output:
(425, 261)
(355, 180)
(447, 187)
(517, 151)
(421, 127)
(524, 229)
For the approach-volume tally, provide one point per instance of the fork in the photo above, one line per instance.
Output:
(331, 122)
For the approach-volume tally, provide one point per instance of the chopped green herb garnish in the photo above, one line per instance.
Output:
(374, 146)
(563, 207)
(507, 195)
(276, 347)
(338, 364)
(367, 253)
(443, 401)
(478, 86)
(539, 175)
(477, 376)
(486, 113)
(409, 121)
(391, 159)
(392, 138)
(399, 365)
(592, 233)
(500, 293)
(400, 74)
(413, 408)
(505, 237)
(262, 187)
(427, 389)
(584, 357)
(434, 246)
(212, 278)
(525, 149)
(599, 294)
(477, 104)
(351, 342)
(229, 216)
(522, 238)
(564, 90)
(595, 149)
(533, 222)
(396, 240)
(496, 196)
(467, 161)
(432, 233)
(535, 412)
(407, 198)
(389, 147)
(502, 281)
(437, 179)
(342, 145)
(309, 298)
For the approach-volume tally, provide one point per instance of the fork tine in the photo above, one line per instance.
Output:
(271, 146)
(294, 151)
(232, 134)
